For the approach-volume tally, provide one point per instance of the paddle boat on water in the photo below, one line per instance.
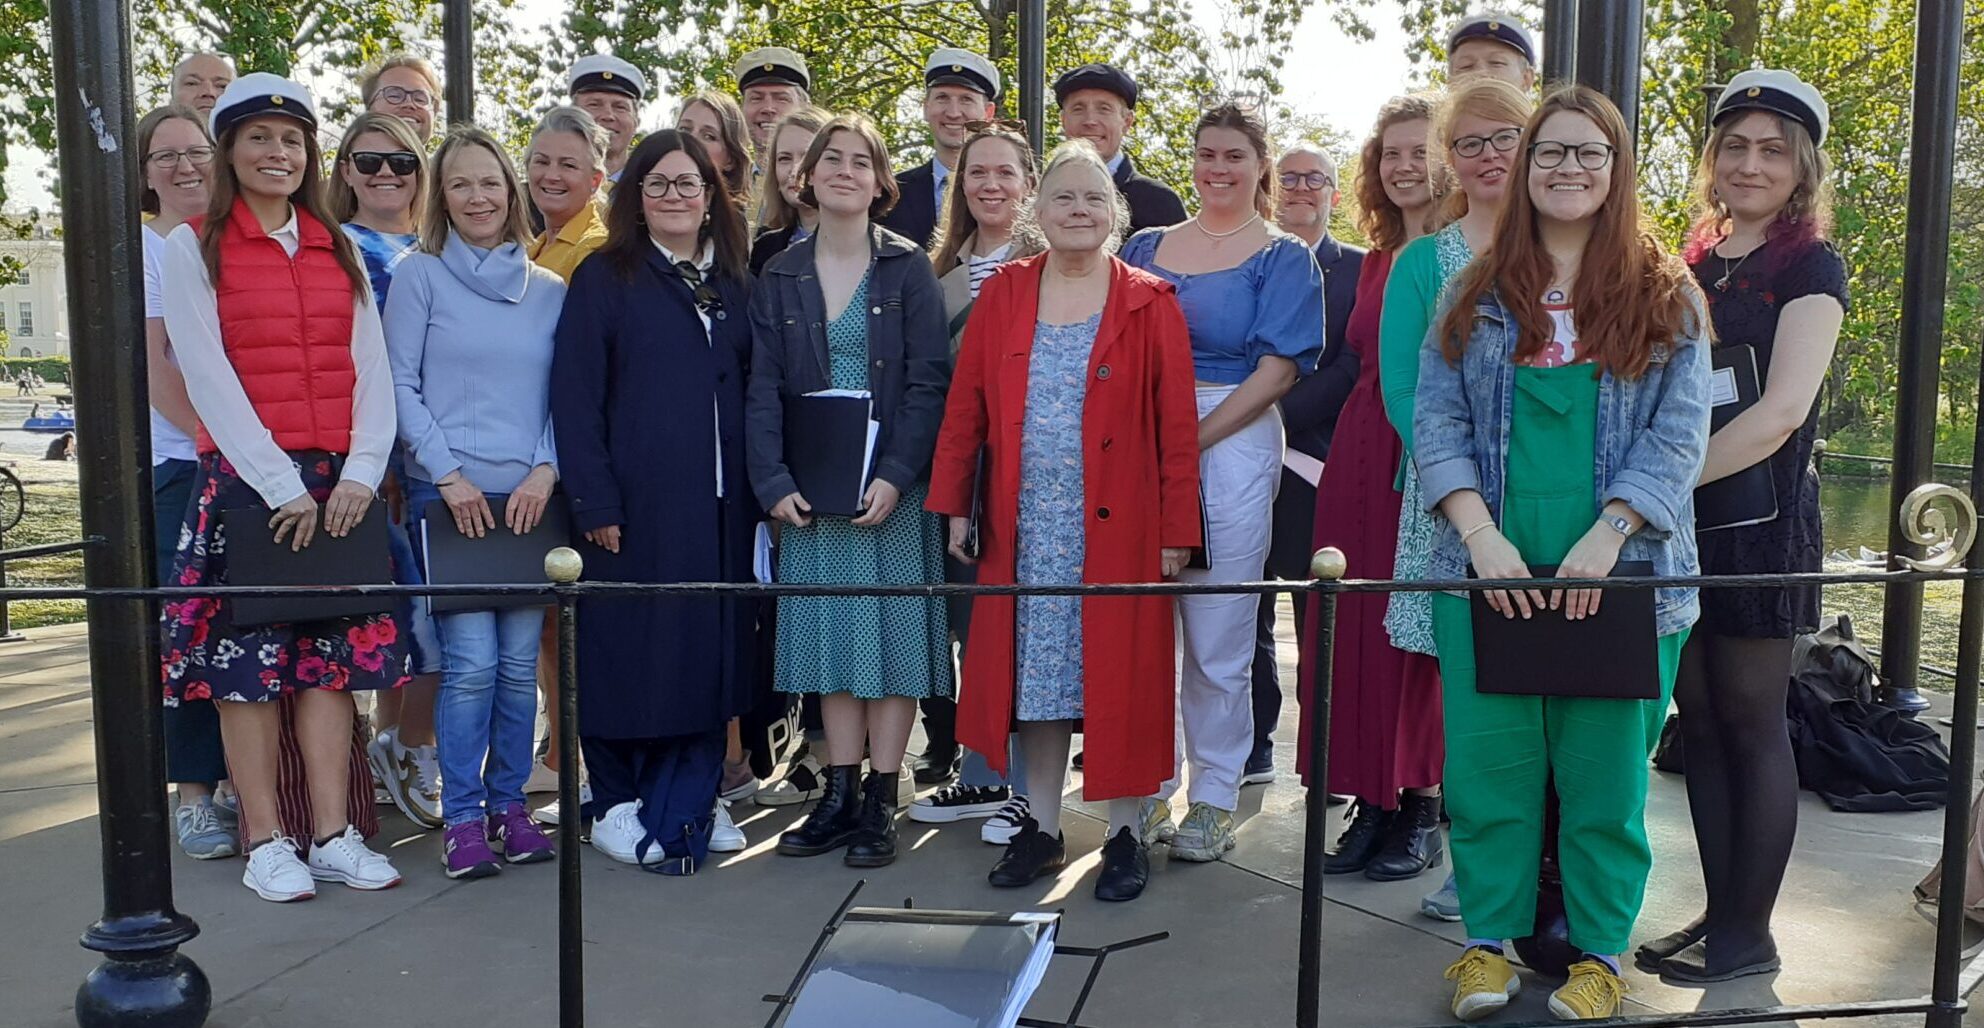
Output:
(62, 419)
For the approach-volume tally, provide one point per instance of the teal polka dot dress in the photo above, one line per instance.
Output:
(869, 646)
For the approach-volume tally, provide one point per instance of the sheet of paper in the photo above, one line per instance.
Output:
(761, 554)
(1302, 464)
(1722, 387)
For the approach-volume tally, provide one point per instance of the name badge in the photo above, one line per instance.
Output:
(1722, 387)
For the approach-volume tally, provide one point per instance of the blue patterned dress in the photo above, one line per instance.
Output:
(870, 646)
(1049, 542)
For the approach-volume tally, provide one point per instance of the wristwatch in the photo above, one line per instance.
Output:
(1619, 524)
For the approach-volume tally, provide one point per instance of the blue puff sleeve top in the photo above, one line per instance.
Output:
(1269, 305)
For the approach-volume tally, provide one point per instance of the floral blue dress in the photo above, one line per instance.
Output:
(1049, 542)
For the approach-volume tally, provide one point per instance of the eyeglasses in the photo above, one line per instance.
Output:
(403, 162)
(688, 187)
(197, 156)
(708, 300)
(397, 95)
(1306, 179)
(1549, 153)
(1503, 142)
(1013, 125)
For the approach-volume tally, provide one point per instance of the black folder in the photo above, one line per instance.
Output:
(827, 445)
(500, 557)
(974, 525)
(255, 558)
(1613, 654)
(1748, 497)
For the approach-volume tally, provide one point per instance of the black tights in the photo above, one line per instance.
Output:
(1742, 784)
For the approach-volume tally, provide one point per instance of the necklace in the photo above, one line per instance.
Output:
(1210, 234)
(1722, 284)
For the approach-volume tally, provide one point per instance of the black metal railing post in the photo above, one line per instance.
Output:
(1327, 568)
(7, 633)
(1033, 71)
(457, 37)
(1560, 41)
(1610, 37)
(564, 567)
(1925, 268)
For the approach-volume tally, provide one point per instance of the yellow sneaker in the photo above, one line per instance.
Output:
(1593, 992)
(1483, 983)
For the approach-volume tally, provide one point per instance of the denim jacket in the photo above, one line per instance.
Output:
(1652, 438)
(909, 359)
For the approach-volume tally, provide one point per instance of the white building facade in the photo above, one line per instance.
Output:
(34, 309)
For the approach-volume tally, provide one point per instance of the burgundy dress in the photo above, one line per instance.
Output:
(1385, 727)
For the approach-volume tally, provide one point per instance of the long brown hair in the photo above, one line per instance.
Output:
(957, 225)
(1231, 115)
(731, 135)
(1490, 99)
(340, 198)
(308, 201)
(435, 224)
(1381, 220)
(147, 128)
(627, 239)
(1631, 295)
(773, 212)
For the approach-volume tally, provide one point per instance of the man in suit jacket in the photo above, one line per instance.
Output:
(1309, 410)
(1099, 104)
(959, 87)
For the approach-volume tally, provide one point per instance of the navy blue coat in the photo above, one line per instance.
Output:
(633, 383)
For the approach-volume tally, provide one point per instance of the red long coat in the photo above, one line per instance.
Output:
(1140, 478)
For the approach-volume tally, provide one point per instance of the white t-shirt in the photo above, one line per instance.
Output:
(168, 442)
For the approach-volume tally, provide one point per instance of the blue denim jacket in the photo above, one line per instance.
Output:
(1652, 441)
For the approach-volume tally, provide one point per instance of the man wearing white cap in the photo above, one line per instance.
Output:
(959, 87)
(1493, 43)
(610, 90)
(771, 80)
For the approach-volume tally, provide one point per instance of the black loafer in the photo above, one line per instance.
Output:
(1030, 855)
(1125, 868)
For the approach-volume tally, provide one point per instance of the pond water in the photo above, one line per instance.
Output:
(1856, 513)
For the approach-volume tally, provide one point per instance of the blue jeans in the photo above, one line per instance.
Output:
(486, 712)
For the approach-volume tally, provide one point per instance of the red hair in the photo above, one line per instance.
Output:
(1630, 297)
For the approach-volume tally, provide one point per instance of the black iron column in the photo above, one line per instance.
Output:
(1033, 71)
(1560, 40)
(457, 25)
(144, 979)
(1932, 155)
(1610, 35)
(564, 566)
(1327, 566)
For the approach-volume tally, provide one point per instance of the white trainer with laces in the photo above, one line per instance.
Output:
(548, 814)
(347, 859)
(725, 836)
(425, 795)
(619, 831)
(277, 874)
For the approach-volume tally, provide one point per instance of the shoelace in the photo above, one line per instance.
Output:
(203, 820)
(355, 851)
(1593, 986)
(1471, 972)
(426, 773)
(1015, 809)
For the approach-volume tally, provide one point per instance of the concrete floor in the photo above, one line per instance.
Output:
(701, 951)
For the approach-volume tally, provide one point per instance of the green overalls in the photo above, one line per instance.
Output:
(1501, 750)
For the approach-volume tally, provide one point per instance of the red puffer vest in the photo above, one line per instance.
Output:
(286, 325)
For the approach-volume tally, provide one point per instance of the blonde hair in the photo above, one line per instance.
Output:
(368, 85)
(341, 198)
(435, 224)
(773, 212)
(1487, 98)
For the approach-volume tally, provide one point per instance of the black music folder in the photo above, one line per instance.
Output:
(1748, 497)
(500, 557)
(975, 524)
(830, 449)
(255, 558)
(1613, 654)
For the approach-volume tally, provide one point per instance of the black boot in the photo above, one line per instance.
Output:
(874, 841)
(833, 821)
(1412, 843)
(1359, 842)
(1031, 854)
(1125, 867)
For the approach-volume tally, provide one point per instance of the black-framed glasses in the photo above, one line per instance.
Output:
(368, 162)
(397, 95)
(1548, 153)
(708, 300)
(1306, 179)
(1503, 142)
(197, 156)
(688, 187)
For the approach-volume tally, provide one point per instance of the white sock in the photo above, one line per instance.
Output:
(1124, 813)
(1044, 746)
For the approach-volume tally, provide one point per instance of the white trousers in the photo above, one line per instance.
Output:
(1239, 477)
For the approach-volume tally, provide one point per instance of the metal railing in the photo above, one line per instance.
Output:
(1943, 1007)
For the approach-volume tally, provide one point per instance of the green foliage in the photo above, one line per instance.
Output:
(51, 369)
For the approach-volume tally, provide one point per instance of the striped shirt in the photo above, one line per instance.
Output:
(983, 267)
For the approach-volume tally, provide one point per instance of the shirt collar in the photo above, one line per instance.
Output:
(289, 228)
(1116, 162)
(705, 260)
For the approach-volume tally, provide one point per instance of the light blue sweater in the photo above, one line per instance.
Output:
(469, 334)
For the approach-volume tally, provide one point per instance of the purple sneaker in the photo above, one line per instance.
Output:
(466, 852)
(522, 841)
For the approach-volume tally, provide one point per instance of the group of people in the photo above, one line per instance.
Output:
(1072, 380)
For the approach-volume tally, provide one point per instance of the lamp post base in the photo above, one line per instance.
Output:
(161, 989)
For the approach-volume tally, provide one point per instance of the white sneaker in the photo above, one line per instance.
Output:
(1000, 828)
(425, 796)
(410, 777)
(620, 831)
(548, 814)
(804, 781)
(277, 874)
(347, 859)
(725, 836)
(542, 778)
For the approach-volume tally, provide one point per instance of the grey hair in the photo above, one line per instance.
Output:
(576, 121)
(1320, 154)
(1074, 152)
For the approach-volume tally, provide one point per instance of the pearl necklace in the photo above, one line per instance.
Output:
(1210, 234)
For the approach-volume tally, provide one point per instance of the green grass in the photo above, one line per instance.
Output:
(52, 515)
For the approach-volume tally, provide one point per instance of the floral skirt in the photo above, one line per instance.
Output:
(206, 656)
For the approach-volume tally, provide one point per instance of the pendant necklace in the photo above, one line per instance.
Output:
(1722, 284)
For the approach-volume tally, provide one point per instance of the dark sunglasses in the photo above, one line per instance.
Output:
(1013, 125)
(368, 161)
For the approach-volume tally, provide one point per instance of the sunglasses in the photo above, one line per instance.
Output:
(1013, 125)
(708, 300)
(368, 162)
